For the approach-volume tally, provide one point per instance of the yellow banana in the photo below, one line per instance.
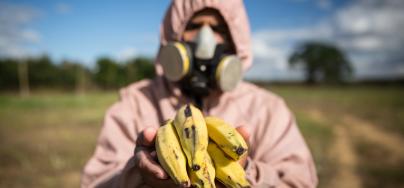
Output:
(228, 171)
(205, 177)
(191, 128)
(170, 154)
(226, 137)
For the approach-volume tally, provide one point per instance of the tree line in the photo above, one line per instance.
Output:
(42, 72)
(321, 62)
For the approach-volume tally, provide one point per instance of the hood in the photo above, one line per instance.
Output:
(233, 12)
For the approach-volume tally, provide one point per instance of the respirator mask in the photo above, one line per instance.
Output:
(200, 66)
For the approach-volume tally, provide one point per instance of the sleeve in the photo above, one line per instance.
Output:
(112, 164)
(280, 156)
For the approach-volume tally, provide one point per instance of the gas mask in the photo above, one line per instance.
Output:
(200, 66)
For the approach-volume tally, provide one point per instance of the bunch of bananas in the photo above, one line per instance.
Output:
(195, 150)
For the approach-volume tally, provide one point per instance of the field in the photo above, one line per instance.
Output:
(354, 133)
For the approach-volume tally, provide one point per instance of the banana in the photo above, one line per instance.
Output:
(205, 177)
(193, 134)
(226, 137)
(228, 171)
(170, 154)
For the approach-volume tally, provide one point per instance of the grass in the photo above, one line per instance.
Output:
(46, 139)
(383, 106)
(379, 167)
(319, 138)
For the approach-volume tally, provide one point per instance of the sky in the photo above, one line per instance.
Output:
(369, 31)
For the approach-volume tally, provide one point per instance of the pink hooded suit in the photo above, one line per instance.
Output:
(278, 155)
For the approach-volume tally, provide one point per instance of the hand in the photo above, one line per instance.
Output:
(145, 160)
(245, 133)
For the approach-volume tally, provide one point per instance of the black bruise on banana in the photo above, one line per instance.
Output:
(207, 176)
(240, 150)
(175, 154)
(195, 167)
(187, 111)
(193, 135)
(186, 132)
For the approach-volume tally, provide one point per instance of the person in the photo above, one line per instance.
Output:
(205, 49)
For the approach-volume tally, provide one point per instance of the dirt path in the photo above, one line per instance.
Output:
(368, 131)
(343, 152)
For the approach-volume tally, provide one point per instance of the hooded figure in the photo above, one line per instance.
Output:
(278, 155)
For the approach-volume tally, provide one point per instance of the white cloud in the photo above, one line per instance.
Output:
(15, 33)
(127, 53)
(321, 4)
(62, 8)
(371, 32)
(324, 4)
(30, 36)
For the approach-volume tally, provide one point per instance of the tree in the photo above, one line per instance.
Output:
(140, 68)
(322, 62)
(23, 78)
(9, 77)
(41, 72)
(106, 73)
(73, 75)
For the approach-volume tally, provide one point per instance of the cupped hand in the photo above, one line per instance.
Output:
(245, 133)
(145, 158)
(146, 161)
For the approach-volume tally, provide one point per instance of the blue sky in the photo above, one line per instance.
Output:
(85, 30)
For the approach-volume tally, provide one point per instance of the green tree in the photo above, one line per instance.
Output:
(73, 75)
(23, 77)
(139, 68)
(106, 73)
(322, 62)
(42, 72)
(8, 74)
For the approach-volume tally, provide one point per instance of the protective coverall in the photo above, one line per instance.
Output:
(278, 155)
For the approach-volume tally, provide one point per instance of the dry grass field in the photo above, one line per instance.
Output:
(355, 134)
